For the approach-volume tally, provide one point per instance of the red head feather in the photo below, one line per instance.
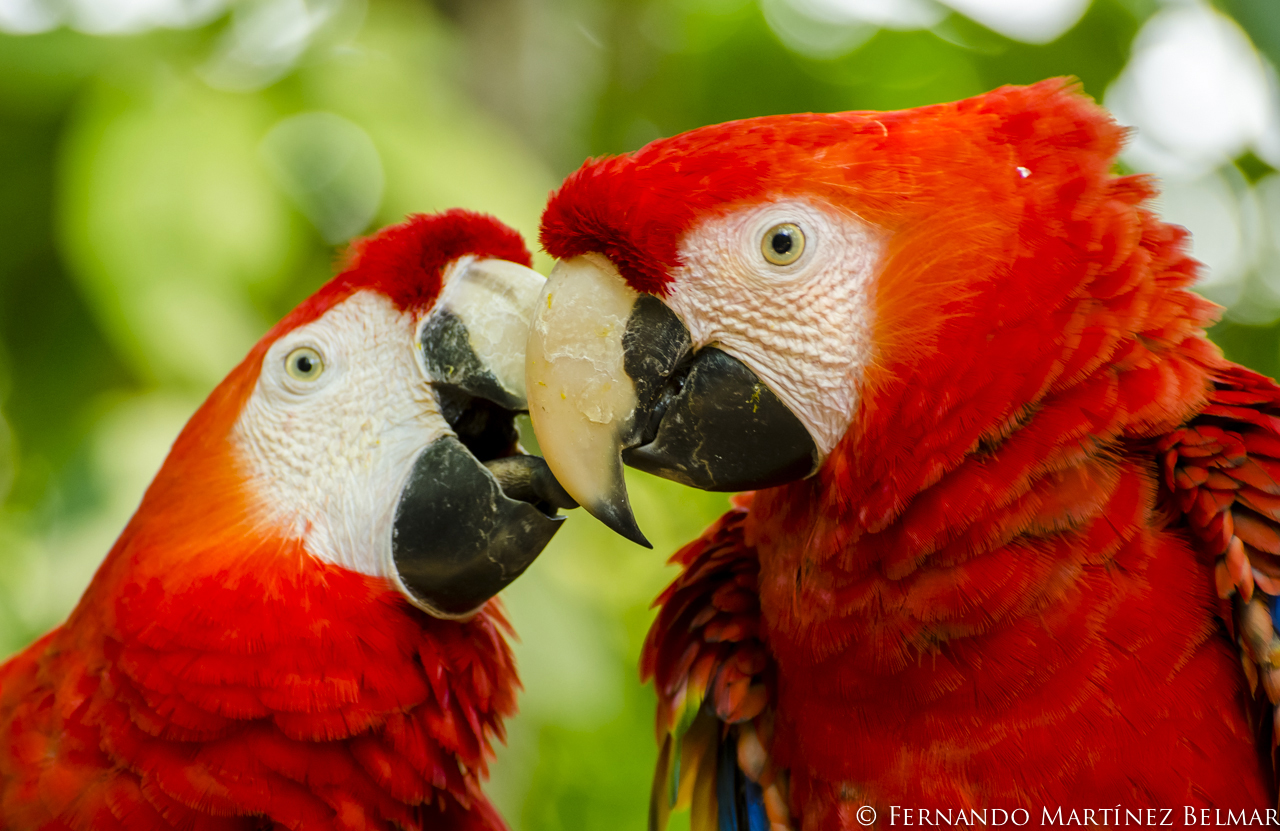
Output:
(406, 262)
(889, 168)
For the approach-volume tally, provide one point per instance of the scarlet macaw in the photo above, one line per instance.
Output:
(1007, 491)
(295, 629)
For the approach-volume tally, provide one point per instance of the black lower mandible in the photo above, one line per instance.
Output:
(719, 428)
(457, 539)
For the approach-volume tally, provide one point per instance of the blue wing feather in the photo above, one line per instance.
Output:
(741, 802)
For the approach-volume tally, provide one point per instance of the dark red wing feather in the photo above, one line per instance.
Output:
(1222, 472)
(713, 676)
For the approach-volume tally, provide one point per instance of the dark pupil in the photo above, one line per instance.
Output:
(303, 364)
(781, 242)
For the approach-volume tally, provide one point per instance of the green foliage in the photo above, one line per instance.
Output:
(1261, 20)
(165, 196)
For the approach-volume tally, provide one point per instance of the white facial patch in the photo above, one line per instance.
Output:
(329, 455)
(803, 328)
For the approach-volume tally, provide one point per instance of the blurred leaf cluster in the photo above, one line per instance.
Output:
(176, 174)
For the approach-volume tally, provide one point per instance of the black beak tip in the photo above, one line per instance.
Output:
(617, 517)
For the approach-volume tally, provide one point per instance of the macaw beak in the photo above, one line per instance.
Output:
(475, 510)
(613, 378)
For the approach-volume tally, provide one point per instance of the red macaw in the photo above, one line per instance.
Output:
(1007, 491)
(295, 629)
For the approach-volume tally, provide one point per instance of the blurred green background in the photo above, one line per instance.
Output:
(176, 174)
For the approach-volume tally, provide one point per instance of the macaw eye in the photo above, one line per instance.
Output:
(304, 364)
(783, 244)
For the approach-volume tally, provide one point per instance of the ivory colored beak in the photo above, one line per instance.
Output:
(581, 400)
(477, 333)
(613, 378)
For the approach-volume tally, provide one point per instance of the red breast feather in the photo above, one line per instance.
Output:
(314, 699)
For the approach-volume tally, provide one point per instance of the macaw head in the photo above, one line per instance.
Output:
(735, 304)
(373, 427)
